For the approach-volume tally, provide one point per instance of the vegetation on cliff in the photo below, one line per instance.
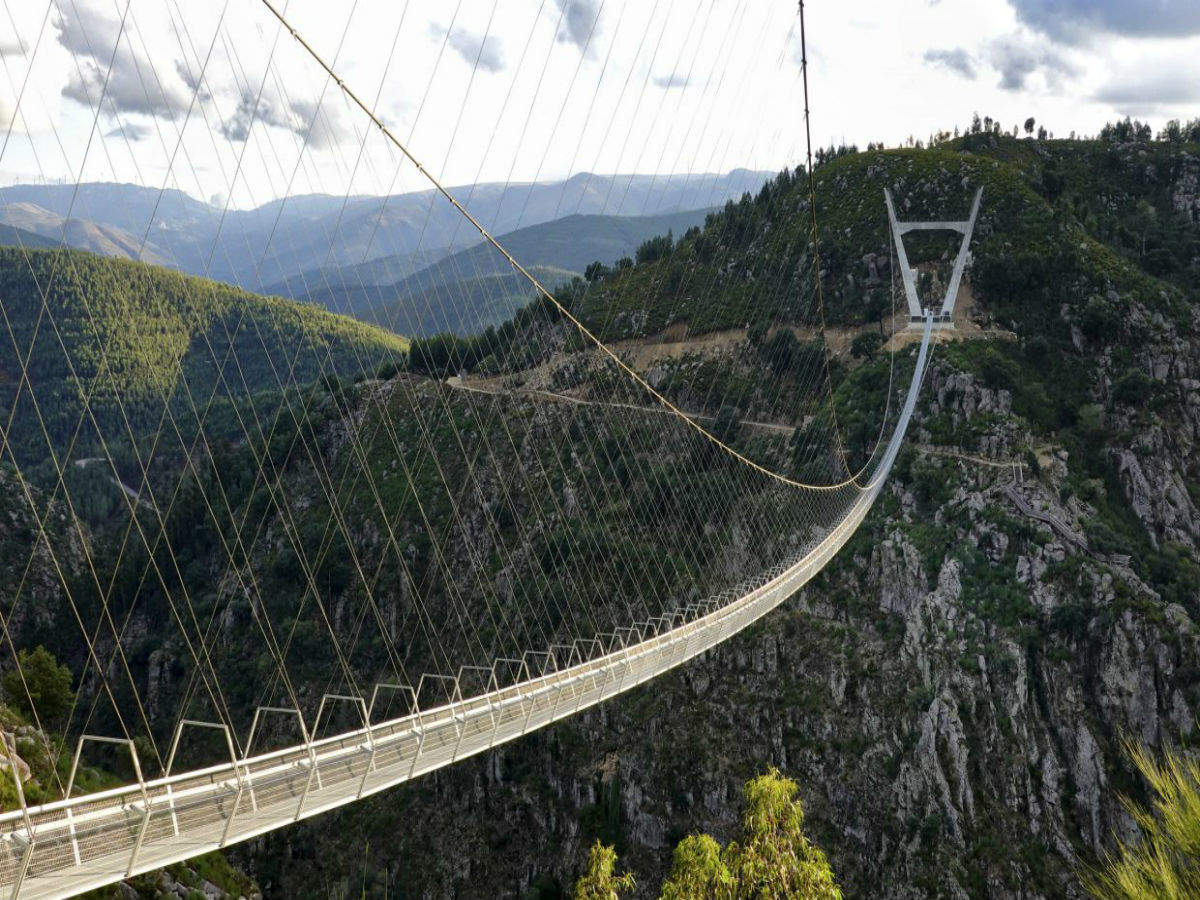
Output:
(772, 860)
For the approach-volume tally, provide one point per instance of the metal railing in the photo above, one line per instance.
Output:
(69, 846)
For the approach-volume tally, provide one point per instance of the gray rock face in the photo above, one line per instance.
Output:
(950, 694)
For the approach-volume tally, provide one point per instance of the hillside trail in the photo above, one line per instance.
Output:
(675, 343)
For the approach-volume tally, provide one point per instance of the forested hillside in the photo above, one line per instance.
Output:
(1042, 217)
(950, 694)
(106, 341)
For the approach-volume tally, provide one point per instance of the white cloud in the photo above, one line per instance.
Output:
(12, 45)
(482, 51)
(1151, 86)
(133, 131)
(1076, 21)
(956, 60)
(580, 21)
(124, 80)
(1017, 58)
(674, 80)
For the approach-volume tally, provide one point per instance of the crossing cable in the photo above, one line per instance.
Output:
(338, 492)
(285, 514)
(326, 481)
(5, 431)
(311, 455)
(487, 236)
(269, 435)
(783, 258)
(689, 548)
(557, 25)
(146, 486)
(493, 406)
(144, 466)
(235, 566)
(156, 506)
(43, 292)
(459, 602)
(613, 306)
(552, 492)
(447, 408)
(418, 600)
(477, 271)
(610, 307)
(467, 456)
(566, 421)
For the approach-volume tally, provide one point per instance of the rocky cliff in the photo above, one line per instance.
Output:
(952, 693)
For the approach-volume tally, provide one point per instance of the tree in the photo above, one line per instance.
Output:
(595, 271)
(1165, 862)
(773, 861)
(655, 248)
(599, 881)
(697, 870)
(1145, 217)
(46, 688)
(1029, 123)
(727, 425)
(776, 860)
(866, 345)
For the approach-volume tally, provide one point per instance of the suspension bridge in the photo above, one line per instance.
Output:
(473, 564)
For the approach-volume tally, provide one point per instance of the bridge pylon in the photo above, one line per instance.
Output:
(943, 316)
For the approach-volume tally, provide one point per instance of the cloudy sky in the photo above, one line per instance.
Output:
(214, 98)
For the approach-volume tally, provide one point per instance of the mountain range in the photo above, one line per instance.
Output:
(473, 288)
(953, 692)
(261, 247)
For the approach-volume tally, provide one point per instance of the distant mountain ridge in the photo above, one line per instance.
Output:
(277, 241)
(78, 234)
(469, 290)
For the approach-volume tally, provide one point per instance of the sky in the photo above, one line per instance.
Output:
(215, 98)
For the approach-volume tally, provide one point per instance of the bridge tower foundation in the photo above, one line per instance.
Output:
(943, 315)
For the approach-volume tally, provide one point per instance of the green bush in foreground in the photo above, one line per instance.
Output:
(599, 880)
(773, 860)
(46, 687)
(1165, 863)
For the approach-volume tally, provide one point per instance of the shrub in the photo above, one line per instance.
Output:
(727, 425)
(773, 860)
(46, 688)
(599, 880)
(1131, 388)
(1165, 862)
(866, 345)
(1100, 320)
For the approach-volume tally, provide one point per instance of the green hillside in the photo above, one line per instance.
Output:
(951, 692)
(1041, 213)
(467, 291)
(12, 236)
(571, 243)
(117, 339)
